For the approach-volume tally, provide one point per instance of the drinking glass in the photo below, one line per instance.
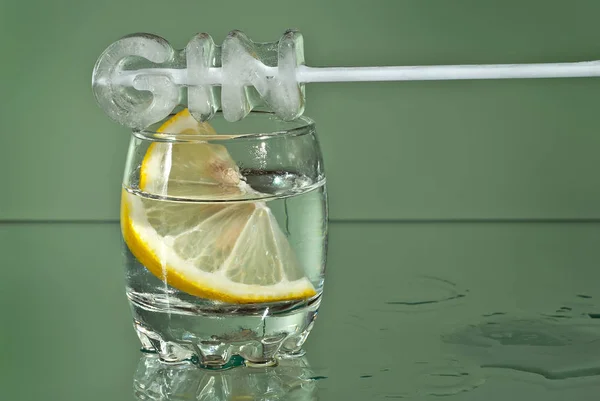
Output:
(225, 234)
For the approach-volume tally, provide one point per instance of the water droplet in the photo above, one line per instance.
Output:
(425, 293)
(493, 314)
(556, 315)
(447, 378)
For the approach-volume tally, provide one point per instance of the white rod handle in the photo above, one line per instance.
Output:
(448, 72)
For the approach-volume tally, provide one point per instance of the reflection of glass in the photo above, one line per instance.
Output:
(226, 232)
(292, 379)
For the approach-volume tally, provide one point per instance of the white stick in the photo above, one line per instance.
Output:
(306, 74)
(448, 72)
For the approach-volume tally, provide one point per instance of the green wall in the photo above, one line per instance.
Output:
(416, 150)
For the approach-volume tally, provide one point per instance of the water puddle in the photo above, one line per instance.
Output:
(554, 346)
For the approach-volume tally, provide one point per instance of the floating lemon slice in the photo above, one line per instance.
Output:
(232, 252)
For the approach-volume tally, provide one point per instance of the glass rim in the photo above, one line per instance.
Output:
(303, 125)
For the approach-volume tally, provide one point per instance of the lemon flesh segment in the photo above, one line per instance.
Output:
(233, 253)
(236, 254)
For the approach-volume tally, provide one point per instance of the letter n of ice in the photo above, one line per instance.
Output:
(286, 95)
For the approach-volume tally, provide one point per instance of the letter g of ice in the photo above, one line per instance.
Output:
(148, 98)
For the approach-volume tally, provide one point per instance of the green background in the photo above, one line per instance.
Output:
(520, 149)
(395, 152)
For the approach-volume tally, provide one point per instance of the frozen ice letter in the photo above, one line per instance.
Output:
(148, 98)
(201, 55)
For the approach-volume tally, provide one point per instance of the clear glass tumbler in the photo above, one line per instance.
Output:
(225, 231)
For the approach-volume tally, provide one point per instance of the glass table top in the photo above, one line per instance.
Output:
(469, 311)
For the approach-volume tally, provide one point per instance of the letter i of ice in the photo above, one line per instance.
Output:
(201, 55)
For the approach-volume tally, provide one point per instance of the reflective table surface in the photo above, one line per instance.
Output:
(468, 311)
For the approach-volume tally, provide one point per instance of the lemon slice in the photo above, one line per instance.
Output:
(232, 252)
(193, 170)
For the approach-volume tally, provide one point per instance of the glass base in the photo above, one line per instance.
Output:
(289, 380)
(222, 341)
